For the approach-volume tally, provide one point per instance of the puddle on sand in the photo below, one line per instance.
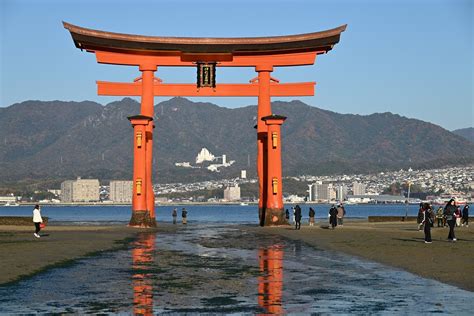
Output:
(211, 268)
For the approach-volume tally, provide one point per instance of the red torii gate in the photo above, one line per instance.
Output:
(263, 53)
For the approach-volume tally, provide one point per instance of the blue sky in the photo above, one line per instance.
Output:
(413, 58)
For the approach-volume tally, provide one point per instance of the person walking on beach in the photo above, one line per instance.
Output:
(297, 217)
(333, 216)
(465, 215)
(427, 221)
(341, 212)
(457, 216)
(449, 210)
(432, 214)
(174, 214)
(37, 219)
(184, 215)
(311, 214)
(293, 209)
(287, 215)
(419, 218)
(439, 216)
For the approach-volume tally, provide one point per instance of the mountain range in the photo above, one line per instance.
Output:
(467, 133)
(44, 143)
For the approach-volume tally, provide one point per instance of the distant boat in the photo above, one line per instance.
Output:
(244, 204)
(12, 204)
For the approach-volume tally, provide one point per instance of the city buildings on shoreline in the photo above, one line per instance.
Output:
(80, 190)
(121, 191)
(232, 193)
(359, 188)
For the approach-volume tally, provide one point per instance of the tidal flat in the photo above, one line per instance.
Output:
(226, 269)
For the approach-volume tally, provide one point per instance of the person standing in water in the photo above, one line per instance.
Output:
(184, 215)
(174, 214)
(37, 219)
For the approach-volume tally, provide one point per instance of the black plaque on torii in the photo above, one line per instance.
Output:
(206, 75)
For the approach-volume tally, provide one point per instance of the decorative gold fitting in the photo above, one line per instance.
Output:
(139, 186)
(275, 185)
(274, 139)
(139, 139)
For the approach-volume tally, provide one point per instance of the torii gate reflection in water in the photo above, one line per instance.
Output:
(263, 53)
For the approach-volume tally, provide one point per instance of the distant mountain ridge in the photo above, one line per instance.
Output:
(467, 133)
(48, 142)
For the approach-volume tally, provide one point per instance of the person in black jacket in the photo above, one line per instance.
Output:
(184, 216)
(427, 221)
(465, 215)
(449, 210)
(311, 214)
(174, 214)
(333, 216)
(297, 217)
(419, 218)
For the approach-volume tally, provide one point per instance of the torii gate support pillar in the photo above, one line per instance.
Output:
(141, 215)
(274, 210)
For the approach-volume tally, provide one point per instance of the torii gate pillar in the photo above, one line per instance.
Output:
(141, 214)
(264, 109)
(274, 213)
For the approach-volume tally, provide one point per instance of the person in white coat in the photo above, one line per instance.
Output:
(37, 219)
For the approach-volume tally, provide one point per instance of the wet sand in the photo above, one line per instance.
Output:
(398, 245)
(23, 255)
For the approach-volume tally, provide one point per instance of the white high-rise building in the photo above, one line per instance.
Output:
(80, 190)
(232, 193)
(313, 192)
(358, 188)
(324, 192)
(121, 191)
(341, 192)
(243, 174)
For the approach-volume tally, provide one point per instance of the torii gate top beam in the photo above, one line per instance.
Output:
(189, 47)
(150, 52)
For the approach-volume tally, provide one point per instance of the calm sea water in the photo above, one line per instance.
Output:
(196, 213)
